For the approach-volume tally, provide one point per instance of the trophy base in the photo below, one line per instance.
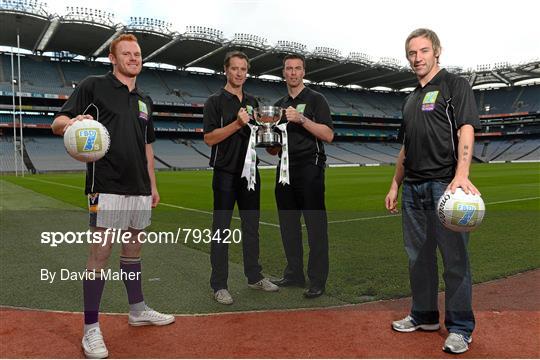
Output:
(268, 139)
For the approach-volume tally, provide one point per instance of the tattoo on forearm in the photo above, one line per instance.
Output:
(465, 152)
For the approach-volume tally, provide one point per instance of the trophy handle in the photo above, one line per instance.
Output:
(281, 114)
(254, 116)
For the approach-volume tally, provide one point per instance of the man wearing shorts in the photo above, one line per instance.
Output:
(121, 187)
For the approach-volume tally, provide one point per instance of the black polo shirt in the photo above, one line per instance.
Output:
(431, 117)
(128, 118)
(304, 147)
(220, 110)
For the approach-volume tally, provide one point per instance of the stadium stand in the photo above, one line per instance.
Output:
(201, 147)
(48, 154)
(7, 159)
(507, 150)
(509, 100)
(74, 72)
(359, 115)
(517, 149)
(528, 100)
(533, 155)
(179, 154)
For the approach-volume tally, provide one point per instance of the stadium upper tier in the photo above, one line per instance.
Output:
(42, 32)
(182, 88)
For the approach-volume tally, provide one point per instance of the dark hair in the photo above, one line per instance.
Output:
(295, 56)
(231, 54)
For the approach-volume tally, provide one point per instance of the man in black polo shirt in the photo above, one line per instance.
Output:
(300, 180)
(439, 118)
(121, 187)
(226, 117)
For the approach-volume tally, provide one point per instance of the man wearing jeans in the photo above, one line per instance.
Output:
(439, 118)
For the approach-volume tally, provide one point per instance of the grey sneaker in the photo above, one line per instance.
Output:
(264, 285)
(409, 325)
(149, 317)
(223, 296)
(457, 343)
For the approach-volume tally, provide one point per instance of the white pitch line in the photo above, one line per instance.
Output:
(513, 200)
(211, 213)
(243, 312)
(56, 183)
(161, 203)
(277, 225)
(187, 209)
(364, 218)
(387, 216)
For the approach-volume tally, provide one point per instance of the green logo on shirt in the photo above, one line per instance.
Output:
(143, 110)
(142, 107)
(300, 108)
(428, 104)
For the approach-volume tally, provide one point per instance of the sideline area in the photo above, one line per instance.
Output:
(507, 314)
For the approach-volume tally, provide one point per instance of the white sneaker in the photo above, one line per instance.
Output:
(223, 296)
(264, 285)
(149, 317)
(457, 343)
(409, 325)
(93, 344)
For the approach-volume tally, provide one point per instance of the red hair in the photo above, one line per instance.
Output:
(123, 37)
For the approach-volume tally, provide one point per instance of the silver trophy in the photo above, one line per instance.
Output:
(267, 117)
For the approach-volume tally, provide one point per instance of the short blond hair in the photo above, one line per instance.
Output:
(427, 33)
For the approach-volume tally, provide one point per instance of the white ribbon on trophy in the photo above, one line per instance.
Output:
(284, 163)
(250, 162)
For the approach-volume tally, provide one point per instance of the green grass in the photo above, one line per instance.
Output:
(367, 259)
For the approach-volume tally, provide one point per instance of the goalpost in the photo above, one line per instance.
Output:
(18, 141)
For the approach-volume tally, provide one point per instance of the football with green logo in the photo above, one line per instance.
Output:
(87, 140)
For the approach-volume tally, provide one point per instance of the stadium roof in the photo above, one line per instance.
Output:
(88, 32)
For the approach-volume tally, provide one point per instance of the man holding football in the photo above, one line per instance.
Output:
(439, 118)
(121, 187)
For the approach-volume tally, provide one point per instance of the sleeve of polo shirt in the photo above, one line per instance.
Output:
(211, 115)
(322, 112)
(401, 133)
(79, 100)
(150, 134)
(464, 104)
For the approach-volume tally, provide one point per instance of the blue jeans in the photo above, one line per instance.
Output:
(422, 234)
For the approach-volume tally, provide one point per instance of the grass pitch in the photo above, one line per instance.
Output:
(367, 259)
